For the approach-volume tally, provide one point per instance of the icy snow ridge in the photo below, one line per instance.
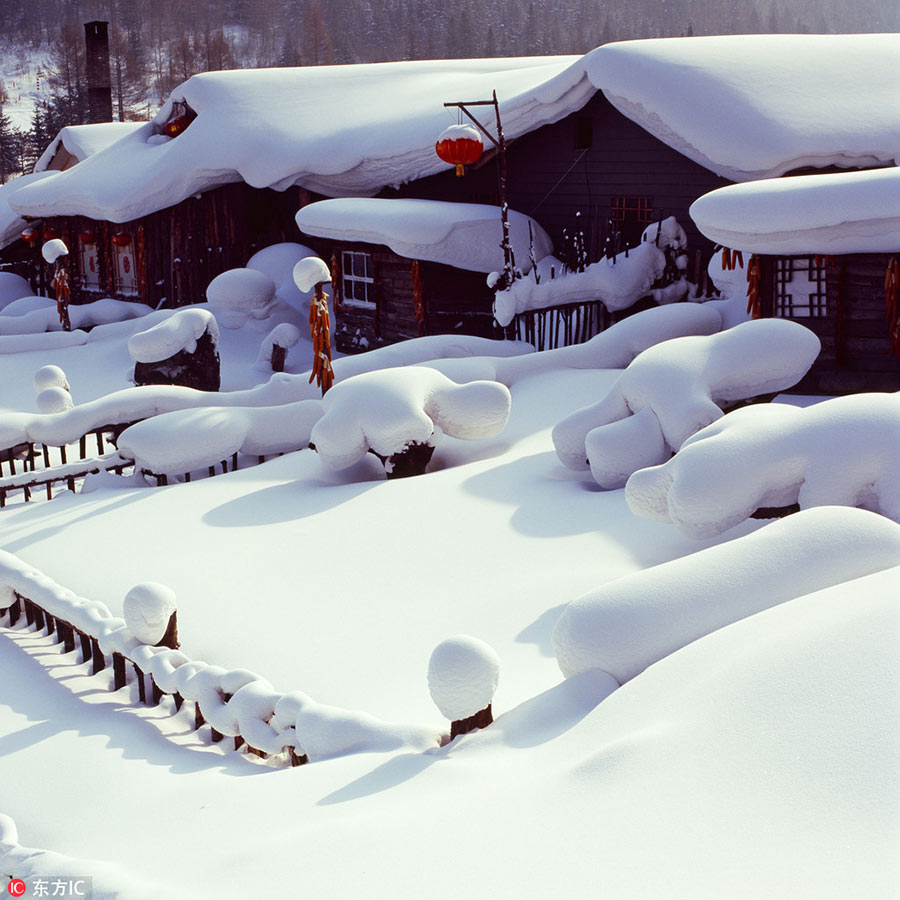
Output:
(632, 622)
(844, 451)
(674, 389)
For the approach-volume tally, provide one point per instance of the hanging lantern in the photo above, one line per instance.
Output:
(176, 125)
(88, 237)
(121, 239)
(50, 234)
(31, 236)
(460, 145)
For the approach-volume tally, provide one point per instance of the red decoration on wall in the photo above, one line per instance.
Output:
(121, 239)
(88, 237)
(126, 264)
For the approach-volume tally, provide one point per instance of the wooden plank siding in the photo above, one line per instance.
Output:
(855, 341)
(551, 180)
(180, 249)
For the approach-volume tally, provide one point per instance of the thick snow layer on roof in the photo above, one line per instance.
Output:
(83, 141)
(754, 106)
(337, 130)
(464, 235)
(848, 212)
(11, 223)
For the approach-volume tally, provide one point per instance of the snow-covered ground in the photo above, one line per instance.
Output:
(760, 760)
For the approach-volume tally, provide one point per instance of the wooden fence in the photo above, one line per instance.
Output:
(561, 326)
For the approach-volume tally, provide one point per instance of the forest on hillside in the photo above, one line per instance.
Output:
(156, 44)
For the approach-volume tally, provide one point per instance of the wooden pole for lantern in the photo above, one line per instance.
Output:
(500, 143)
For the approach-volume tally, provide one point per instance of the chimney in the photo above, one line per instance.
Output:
(96, 39)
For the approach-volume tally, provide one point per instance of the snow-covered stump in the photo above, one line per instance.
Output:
(462, 677)
(275, 345)
(182, 350)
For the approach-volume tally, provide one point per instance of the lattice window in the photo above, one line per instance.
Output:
(800, 288)
(358, 278)
(629, 216)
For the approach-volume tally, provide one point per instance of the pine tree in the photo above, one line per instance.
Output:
(9, 161)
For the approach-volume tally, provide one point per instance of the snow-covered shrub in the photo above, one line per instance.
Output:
(181, 349)
(844, 451)
(275, 345)
(239, 294)
(48, 377)
(462, 677)
(278, 261)
(53, 400)
(309, 272)
(393, 411)
(632, 622)
(674, 389)
(53, 250)
(12, 287)
(148, 609)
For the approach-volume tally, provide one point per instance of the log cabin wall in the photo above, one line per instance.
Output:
(585, 163)
(855, 340)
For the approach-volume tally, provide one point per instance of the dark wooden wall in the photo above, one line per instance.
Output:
(552, 177)
(854, 333)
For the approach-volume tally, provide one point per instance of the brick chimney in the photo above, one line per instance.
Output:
(96, 39)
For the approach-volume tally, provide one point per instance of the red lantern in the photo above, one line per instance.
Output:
(460, 145)
(88, 237)
(50, 234)
(121, 239)
(175, 126)
(31, 235)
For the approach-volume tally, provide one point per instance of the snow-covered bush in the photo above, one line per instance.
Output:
(274, 346)
(240, 294)
(674, 389)
(54, 400)
(844, 451)
(148, 608)
(394, 411)
(48, 377)
(12, 287)
(632, 622)
(462, 677)
(278, 261)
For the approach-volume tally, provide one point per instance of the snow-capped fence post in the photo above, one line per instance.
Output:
(310, 274)
(462, 676)
(56, 254)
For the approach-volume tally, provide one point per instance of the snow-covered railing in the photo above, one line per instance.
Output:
(69, 473)
(561, 326)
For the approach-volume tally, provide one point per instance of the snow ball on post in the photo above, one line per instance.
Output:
(462, 676)
(312, 273)
(55, 253)
(151, 616)
(54, 400)
(48, 377)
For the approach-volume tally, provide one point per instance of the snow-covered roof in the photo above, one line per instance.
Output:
(759, 105)
(744, 106)
(337, 130)
(847, 212)
(82, 141)
(11, 223)
(464, 235)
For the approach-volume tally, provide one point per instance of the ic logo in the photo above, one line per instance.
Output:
(16, 887)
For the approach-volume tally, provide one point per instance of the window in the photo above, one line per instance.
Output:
(629, 216)
(800, 288)
(358, 279)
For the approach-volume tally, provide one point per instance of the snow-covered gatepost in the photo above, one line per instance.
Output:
(152, 617)
(56, 254)
(457, 145)
(310, 274)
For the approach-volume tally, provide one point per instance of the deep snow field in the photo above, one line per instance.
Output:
(760, 761)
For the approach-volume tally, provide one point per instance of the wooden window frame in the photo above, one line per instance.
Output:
(357, 290)
(785, 307)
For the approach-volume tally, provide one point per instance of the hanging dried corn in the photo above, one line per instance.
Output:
(753, 277)
(61, 286)
(892, 300)
(320, 330)
(726, 259)
(336, 281)
(418, 297)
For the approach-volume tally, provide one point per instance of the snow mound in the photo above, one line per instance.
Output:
(48, 377)
(674, 389)
(388, 410)
(178, 332)
(12, 287)
(284, 335)
(147, 610)
(464, 235)
(278, 261)
(37, 315)
(53, 400)
(632, 622)
(309, 272)
(463, 673)
(844, 451)
(239, 294)
(53, 250)
(848, 212)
